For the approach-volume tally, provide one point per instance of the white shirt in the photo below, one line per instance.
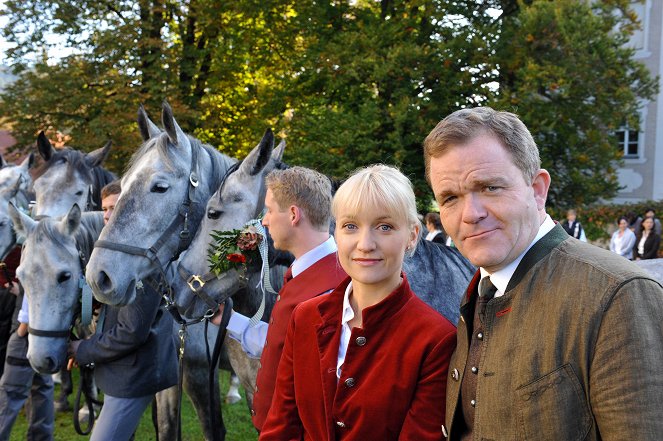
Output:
(501, 278)
(23, 312)
(253, 338)
(431, 235)
(348, 314)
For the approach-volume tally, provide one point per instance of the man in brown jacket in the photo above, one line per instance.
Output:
(560, 340)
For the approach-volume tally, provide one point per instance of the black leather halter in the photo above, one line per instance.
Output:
(66, 333)
(197, 282)
(184, 234)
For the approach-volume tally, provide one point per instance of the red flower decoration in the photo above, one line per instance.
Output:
(236, 257)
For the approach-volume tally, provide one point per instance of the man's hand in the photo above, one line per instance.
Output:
(22, 330)
(71, 353)
(216, 319)
(13, 288)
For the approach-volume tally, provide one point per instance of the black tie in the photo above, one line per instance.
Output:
(486, 292)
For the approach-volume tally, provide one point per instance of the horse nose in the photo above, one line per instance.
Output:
(51, 365)
(103, 282)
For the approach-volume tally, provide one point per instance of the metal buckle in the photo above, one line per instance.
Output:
(193, 179)
(193, 280)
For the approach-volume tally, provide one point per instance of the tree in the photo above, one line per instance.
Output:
(565, 68)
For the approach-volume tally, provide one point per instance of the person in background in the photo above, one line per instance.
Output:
(7, 299)
(559, 339)
(434, 227)
(623, 239)
(133, 352)
(647, 244)
(298, 217)
(573, 227)
(651, 214)
(369, 360)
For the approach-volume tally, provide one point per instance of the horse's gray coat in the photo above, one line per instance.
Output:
(653, 267)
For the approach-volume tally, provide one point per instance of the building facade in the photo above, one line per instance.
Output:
(641, 175)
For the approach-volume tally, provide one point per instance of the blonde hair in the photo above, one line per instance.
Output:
(463, 125)
(305, 188)
(380, 186)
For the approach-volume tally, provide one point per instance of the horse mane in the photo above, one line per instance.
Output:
(97, 176)
(219, 160)
(85, 237)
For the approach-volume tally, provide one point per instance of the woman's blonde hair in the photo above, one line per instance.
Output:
(378, 186)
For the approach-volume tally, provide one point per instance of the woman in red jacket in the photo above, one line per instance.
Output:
(368, 361)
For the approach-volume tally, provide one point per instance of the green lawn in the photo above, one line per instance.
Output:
(236, 417)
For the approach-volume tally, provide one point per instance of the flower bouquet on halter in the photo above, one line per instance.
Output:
(234, 249)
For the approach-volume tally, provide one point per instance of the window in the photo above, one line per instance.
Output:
(628, 142)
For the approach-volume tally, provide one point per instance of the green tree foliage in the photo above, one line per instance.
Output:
(347, 83)
(565, 68)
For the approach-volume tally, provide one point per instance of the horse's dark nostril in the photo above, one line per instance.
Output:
(51, 365)
(104, 282)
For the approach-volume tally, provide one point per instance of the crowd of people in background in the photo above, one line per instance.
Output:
(637, 238)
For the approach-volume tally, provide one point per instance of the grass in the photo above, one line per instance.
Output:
(236, 417)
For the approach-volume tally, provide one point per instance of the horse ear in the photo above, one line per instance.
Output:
(174, 131)
(23, 224)
(95, 158)
(277, 154)
(28, 162)
(44, 146)
(145, 125)
(259, 157)
(70, 223)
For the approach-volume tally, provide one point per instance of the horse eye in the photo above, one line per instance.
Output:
(64, 276)
(79, 193)
(237, 198)
(62, 160)
(159, 188)
(213, 214)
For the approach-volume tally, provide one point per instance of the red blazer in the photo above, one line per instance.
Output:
(319, 278)
(393, 383)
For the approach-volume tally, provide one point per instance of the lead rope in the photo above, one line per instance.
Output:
(264, 284)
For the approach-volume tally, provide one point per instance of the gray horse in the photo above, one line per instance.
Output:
(238, 200)
(15, 182)
(160, 177)
(69, 177)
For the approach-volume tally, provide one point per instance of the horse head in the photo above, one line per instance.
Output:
(52, 266)
(15, 181)
(164, 190)
(69, 177)
(239, 199)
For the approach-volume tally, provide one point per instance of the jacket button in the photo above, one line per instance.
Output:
(350, 382)
(271, 320)
(361, 341)
(253, 412)
(278, 297)
(455, 375)
(473, 403)
(474, 369)
(340, 424)
(444, 431)
(480, 335)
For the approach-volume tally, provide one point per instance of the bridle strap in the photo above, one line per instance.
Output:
(197, 283)
(42, 333)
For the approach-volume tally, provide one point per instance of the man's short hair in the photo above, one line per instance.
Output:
(307, 189)
(111, 189)
(434, 218)
(464, 125)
